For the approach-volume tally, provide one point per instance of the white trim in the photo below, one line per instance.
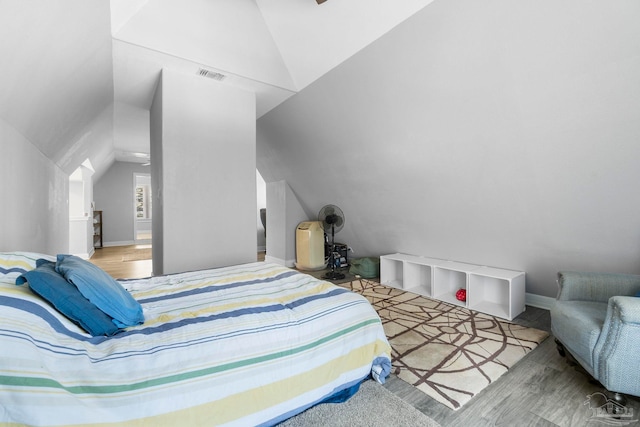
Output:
(539, 301)
(290, 263)
(86, 255)
(122, 243)
(268, 258)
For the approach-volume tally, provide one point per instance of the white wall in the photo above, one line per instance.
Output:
(130, 128)
(284, 213)
(229, 35)
(207, 190)
(76, 198)
(313, 39)
(502, 133)
(34, 214)
(57, 74)
(81, 228)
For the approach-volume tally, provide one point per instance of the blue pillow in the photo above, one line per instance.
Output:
(53, 288)
(101, 289)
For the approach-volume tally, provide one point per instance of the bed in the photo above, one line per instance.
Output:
(243, 345)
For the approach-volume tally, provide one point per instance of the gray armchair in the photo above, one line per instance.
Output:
(597, 319)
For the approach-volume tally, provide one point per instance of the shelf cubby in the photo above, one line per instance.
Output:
(418, 278)
(497, 292)
(392, 272)
(448, 283)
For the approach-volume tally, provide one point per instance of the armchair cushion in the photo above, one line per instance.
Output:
(578, 325)
(589, 286)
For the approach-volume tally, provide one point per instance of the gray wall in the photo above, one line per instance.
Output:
(204, 133)
(157, 177)
(113, 194)
(34, 213)
(499, 133)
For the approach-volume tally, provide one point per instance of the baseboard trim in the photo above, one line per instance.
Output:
(123, 243)
(85, 255)
(539, 301)
(290, 263)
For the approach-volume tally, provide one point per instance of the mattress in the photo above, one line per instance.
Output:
(244, 345)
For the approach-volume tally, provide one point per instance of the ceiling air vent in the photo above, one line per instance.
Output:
(211, 74)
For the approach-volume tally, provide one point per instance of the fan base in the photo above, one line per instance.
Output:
(333, 275)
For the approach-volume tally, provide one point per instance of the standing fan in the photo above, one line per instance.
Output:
(331, 217)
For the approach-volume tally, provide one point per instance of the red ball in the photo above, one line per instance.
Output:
(461, 295)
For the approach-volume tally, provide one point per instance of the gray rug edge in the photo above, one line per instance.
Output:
(372, 406)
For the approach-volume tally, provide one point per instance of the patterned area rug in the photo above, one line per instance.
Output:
(448, 352)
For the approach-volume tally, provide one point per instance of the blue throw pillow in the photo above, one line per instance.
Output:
(101, 289)
(53, 288)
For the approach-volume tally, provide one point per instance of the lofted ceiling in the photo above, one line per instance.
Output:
(78, 77)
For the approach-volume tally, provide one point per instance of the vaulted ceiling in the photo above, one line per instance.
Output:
(78, 77)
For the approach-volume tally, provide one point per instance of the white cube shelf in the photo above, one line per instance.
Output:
(490, 290)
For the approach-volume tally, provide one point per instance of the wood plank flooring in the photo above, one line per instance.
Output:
(540, 390)
(110, 259)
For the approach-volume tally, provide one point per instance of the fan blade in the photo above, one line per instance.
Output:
(339, 221)
(331, 219)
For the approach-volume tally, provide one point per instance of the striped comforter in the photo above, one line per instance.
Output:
(244, 345)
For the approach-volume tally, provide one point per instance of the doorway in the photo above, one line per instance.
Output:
(142, 209)
(261, 192)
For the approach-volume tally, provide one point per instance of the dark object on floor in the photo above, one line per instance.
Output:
(331, 218)
(367, 268)
(263, 219)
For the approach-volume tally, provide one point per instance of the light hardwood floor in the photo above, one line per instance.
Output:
(540, 390)
(111, 260)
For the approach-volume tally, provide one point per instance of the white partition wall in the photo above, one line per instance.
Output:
(203, 173)
(284, 213)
